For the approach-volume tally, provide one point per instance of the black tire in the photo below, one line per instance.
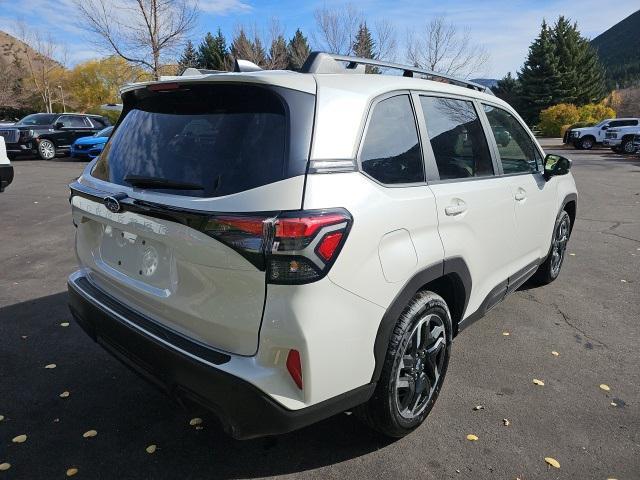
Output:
(586, 143)
(46, 149)
(384, 411)
(627, 146)
(549, 270)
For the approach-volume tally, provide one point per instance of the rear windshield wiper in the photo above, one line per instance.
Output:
(160, 183)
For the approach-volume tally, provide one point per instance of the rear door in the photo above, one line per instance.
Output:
(474, 204)
(196, 170)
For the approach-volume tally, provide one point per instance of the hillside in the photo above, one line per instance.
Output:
(619, 51)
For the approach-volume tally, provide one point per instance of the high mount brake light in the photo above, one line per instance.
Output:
(163, 87)
(293, 247)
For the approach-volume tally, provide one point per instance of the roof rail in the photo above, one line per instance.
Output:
(321, 62)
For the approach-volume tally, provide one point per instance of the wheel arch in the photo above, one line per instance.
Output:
(450, 279)
(570, 205)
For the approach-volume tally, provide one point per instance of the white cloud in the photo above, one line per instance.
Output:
(224, 7)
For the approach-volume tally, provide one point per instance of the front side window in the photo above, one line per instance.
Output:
(391, 150)
(38, 119)
(459, 145)
(518, 153)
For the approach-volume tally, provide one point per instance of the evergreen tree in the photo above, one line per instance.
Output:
(364, 46)
(213, 53)
(278, 54)
(245, 49)
(538, 78)
(508, 89)
(566, 40)
(297, 51)
(188, 59)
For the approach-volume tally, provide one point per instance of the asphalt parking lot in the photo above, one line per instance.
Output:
(590, 317)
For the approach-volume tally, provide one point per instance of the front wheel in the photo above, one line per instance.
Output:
(46, 150)
(414, 368)
(550, 268)
(586, 143)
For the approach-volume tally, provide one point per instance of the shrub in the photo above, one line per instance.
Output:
(553, 118)
(595, 112)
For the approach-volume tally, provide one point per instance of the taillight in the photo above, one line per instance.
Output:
(293, 247)
(306, 244)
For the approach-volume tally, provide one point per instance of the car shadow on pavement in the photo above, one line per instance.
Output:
(129, 414)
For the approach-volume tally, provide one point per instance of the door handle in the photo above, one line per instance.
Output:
(456, 208)
(520, 195)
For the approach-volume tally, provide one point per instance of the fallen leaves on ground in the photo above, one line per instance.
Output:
(64, 324)
(538, 382)
(555, 354)
(64, 394)
(605, 387)
(506, 334)
(506, 422)
(471, 437)
(1, 417)
(572, 254)
(71, 472)
(478, 407)
(51, 365)
(89, 434)
(151, 449)
(613, 404)
(19, 439)
(552, 461)
(4, 466)
(195, 421)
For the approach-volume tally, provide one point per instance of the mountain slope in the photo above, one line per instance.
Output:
(619, 51)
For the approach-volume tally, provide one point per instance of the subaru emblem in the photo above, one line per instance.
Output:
(113, 202)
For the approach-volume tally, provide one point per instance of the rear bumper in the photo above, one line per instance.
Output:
(6, 176)
(187, 370)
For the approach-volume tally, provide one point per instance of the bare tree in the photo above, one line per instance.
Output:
(337, 29)
(44, 64)
(144, 32)
(441, 47)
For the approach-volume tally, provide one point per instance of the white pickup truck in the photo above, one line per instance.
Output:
(620, 139)
(6, 170)
(586, 138)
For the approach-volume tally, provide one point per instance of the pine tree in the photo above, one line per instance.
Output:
(188, 59)
(364, 46)
(213, 53)
(297, 51)
(245, 49)
(278, 54)
(538, 78)
(508, 89)
(566, 39)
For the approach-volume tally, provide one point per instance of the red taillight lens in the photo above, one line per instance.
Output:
(294, 366)
(306, 244)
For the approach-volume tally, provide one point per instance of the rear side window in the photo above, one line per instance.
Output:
(391, 150)
(218, 139)
(518, 153)
(459, 145)
(73, 121)
(98, 122)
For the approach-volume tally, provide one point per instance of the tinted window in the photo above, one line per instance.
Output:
(38, 119)
(391, 151)
(223, 138)
(518, 153)
(105, 132)
(72, 121)
(459, 145)
(98, 122)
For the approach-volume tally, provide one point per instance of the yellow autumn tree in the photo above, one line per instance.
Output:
(97, 82)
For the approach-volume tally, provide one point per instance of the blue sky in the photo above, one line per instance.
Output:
(505, 28)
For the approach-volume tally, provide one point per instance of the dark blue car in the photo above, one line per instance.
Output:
(90, 147)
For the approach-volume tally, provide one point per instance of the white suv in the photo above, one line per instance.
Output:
(585, 138)
(284, 246)
(6, 170)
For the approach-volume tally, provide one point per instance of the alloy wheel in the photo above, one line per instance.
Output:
(559, 246)
(47, 150)
(421, 365)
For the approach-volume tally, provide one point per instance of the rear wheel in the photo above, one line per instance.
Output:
(46, 150)
(550, 268)
(414, 368)
(586, 143)
(627, 146)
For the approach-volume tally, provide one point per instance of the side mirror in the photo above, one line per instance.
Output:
(556, 165)
(606, 127)
(59, 125)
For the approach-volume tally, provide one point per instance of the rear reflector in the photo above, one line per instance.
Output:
(294, 366)
(328, 245)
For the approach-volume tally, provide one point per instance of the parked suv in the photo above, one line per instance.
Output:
(284, 246)
(49, 134)
(586, 138)
(620, 139)
(6, 170)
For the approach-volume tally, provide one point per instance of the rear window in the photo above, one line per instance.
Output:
(219, 139)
